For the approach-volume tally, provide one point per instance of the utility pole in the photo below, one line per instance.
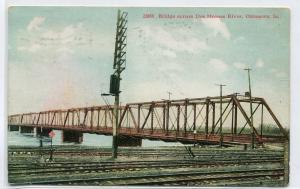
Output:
(169, 93)
(41, 139)
(119, 66)
(221, 120)
(250, 97)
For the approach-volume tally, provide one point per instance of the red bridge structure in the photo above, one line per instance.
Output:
(195, 120)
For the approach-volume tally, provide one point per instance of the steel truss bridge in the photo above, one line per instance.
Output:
(195, 120)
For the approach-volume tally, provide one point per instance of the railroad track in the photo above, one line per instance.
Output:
(141, 150)
(174, 178)
(15, 170)
(70, 163)
(22, 161)
(140, 154)
(210, 167)
(138, 150)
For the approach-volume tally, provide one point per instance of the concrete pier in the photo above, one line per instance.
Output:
(13, 128)
(129, 141)
(72, 136)
(26, 129)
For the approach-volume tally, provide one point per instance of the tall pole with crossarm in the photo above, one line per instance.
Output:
(119, 66)
(251, 110)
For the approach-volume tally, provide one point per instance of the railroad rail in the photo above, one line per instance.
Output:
(143, 154)
(167, 178)
(224, 165)
(140, 152)
(111, 167)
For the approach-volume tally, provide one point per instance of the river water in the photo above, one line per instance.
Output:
(29, 139)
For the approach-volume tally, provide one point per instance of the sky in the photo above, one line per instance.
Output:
(62, 57)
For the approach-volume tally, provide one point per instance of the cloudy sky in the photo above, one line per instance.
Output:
(61, 57)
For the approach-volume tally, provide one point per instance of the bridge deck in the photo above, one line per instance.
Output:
(171, 136)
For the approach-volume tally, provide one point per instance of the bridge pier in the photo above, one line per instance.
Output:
(26, 129)
(72, 136)
(14, 128)
(129, 141)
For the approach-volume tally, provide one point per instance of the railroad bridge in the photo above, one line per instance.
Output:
(194, 120)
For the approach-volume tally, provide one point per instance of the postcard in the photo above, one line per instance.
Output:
(148, 96)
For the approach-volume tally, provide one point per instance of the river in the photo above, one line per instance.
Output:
(29, 139)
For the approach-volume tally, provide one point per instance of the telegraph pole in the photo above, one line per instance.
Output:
(119, 66)
(221, 120)
(169, 93)
(251, 110)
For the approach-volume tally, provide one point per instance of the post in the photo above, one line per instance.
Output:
(164, 117)
(194, 122)
(221, 121)
(139, 118)
(251, 109)
(178, 120)
(51, 151)
(41, 137)
(51, 135)
(41, 145)
(235, 119)
(232, 121)
(119, 66)
(169, 93)
(117, 99)
(41, 141)
(152, 116)
(167, 117)
(221, 116)
(115, 127)
(213, 118)
(185, 116)
(262, 120)
(207, 117)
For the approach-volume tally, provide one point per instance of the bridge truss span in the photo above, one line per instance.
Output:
(195, 120)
